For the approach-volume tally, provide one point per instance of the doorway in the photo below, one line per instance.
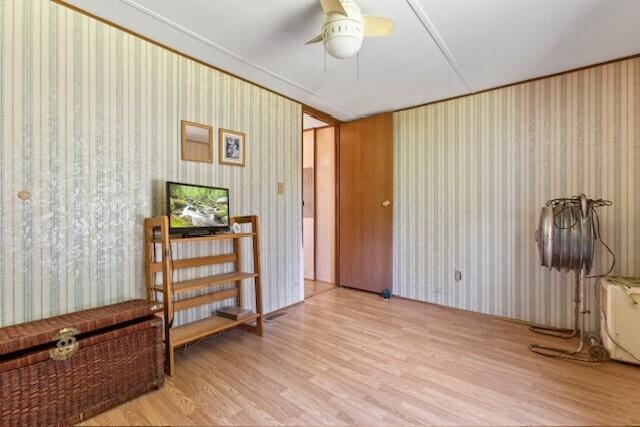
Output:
(319, 243)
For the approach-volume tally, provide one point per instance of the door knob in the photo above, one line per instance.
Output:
(386, 204)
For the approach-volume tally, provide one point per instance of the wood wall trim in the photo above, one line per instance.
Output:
(315, 204)
(494, 316)
(336, 166)
(321, 115)
(320, 128)
(307, 132)
(301, 189)
(285, 308)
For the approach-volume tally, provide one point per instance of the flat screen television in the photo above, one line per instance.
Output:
(196, 209)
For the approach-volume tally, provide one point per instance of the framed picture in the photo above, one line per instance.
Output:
(231, 148)
(197, 142)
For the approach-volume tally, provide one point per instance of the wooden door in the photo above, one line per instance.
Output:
(366, 196)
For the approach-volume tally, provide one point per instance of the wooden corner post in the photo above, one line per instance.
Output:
(152, 225)
(255, 229)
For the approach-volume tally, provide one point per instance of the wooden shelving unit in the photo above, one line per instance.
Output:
(156, 232)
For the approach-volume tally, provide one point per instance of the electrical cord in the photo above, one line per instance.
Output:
(598, 236)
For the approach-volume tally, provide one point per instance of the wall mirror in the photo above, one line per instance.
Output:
(197, 142)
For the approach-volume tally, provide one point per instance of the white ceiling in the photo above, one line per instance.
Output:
(309, 122)
(439, 48)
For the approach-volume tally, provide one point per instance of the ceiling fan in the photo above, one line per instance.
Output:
(345, 27)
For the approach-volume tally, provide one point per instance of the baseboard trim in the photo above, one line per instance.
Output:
(494, 316)
(286, 307)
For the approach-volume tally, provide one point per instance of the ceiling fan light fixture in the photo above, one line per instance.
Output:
(343, 47)
(345, 28)
(343, 35)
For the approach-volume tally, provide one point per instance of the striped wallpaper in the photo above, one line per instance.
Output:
(472, 173)
(90, 126)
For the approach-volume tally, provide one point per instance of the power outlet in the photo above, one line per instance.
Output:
(280, 189)
(458, 276)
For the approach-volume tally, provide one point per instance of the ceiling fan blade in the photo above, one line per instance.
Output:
(374, 26)
(335, 6)
(316, 39)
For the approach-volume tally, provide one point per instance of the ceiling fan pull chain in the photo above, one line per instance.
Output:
(325, 59)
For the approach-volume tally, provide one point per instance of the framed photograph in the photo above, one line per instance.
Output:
(231, 147)
(197, 142)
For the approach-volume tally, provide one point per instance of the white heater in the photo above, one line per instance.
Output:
(620, 317)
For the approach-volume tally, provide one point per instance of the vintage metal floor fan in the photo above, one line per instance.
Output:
(566, 236)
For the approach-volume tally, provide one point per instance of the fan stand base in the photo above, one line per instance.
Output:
(554, 332)
(597, 352)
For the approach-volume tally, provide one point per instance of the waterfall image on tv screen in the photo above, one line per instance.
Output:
(193, 206)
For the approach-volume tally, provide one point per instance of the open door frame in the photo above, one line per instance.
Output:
(330, 121)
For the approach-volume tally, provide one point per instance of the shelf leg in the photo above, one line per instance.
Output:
(256, 269)
(259, 326)
(169, 368)
(172, 368)
(237, 265)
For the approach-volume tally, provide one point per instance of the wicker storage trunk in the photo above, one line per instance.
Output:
(65, 369)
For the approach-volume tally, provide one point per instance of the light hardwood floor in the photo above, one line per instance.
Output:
(313, 288)
(350, 358)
